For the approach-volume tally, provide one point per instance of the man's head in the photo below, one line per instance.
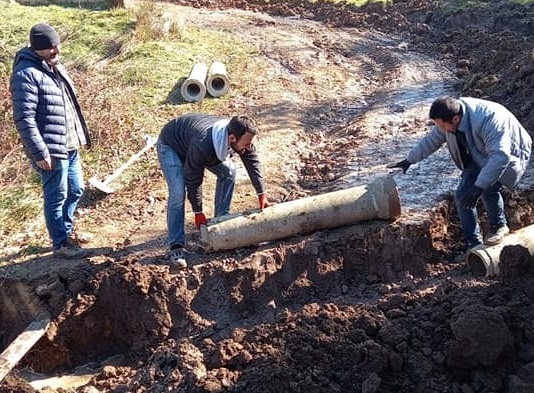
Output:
(446, 113)
(45, 41)
(241, 132)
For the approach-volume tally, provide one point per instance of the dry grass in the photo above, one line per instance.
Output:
(127, 66)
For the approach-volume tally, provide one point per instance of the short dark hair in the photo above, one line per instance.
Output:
(445, 108)
(240, 124)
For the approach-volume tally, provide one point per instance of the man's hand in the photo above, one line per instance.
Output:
(45, 164)
(404, 165)
(200, 219)
(471, 198)
(263, 201)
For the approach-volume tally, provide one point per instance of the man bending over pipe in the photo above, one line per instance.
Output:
(490, 146)
(191, 143)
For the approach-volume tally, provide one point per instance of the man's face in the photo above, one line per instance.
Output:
(242, 144)
(51, 56)
(448, 126)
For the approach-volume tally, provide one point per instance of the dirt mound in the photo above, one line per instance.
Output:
(336, 311)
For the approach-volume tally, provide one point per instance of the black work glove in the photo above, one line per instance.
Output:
(404, 165)
(471, 198)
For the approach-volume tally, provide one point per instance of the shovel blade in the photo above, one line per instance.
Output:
(100, 185)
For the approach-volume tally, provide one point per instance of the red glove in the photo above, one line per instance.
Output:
(263, 201)
(200, 219)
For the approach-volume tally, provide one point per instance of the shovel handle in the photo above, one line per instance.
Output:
(151, 142)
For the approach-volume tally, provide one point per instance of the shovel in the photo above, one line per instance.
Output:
(22, 344)
(103, 185)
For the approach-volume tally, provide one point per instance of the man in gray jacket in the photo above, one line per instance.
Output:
(188, 145)
(492, 149)
(51, 126)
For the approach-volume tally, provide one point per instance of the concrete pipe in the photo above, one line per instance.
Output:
(193, 88)
(217, 82)
(377, 200)
(484, 260)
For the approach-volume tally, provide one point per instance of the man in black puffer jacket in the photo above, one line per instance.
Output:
(51, 126)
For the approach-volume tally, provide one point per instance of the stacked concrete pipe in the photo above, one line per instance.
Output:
(484, 260)
(193, 88)
(217, 82)
(377, 200)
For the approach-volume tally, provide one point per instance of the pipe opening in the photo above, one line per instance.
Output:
(218, 84)
(193, 90)
(476, 265)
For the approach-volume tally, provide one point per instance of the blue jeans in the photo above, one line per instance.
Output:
(63, 187)
(172, 168)
(224, 190)
(493, 202)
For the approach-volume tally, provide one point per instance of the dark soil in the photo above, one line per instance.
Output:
(373, 308)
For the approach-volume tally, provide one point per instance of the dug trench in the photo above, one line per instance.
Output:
(374, 307)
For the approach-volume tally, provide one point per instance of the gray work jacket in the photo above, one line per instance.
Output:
(497, 143)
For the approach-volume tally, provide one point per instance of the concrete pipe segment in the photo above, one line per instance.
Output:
(217, 82)
(377, 200)
(193, 88)
(484, 260)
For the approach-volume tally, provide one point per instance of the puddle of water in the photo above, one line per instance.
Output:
(393, 121)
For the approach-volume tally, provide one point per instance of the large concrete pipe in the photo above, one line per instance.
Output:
(377, 200)
(193, 88)
(217, 82)
(484, 260)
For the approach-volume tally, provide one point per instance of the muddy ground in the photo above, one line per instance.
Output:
(375, 307)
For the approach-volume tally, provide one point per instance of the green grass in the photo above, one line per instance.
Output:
(154, 66)
(82, 31)
(125, 69)
(18, 206)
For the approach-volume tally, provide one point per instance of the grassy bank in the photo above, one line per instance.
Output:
(127, 66)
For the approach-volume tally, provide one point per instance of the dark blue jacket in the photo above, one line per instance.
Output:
(39, 106)
(190, 137)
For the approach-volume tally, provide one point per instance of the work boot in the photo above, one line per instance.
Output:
(496, 235)
(70, 251)
(177, 257)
